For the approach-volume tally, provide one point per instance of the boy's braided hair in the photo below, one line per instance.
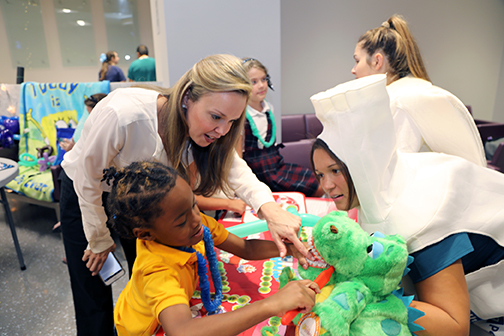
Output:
(136, 192)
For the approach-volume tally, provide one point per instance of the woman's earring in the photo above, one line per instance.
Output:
(184, 100)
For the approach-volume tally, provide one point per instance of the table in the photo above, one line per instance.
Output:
(246, 281)
(9, 169)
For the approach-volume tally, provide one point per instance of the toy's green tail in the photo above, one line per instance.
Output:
(413, 313)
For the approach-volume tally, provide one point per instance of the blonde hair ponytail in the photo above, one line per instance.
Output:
(395, 40)
(415, 61)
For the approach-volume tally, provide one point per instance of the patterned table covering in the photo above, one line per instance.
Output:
(247, 281)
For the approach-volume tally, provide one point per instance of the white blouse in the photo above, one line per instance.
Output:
(123, 128)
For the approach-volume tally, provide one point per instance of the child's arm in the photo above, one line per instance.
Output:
(258, 249)
(177, 320)
(214, 203)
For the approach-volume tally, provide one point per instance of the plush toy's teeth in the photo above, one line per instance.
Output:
(319, 262)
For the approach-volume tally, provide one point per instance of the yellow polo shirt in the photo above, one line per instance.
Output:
(162, 277)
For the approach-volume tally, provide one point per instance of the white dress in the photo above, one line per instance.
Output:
(123, 129)
(429, 118)
(425, 197)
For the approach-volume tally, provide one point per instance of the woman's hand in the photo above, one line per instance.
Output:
(283, 226)
(95, 261)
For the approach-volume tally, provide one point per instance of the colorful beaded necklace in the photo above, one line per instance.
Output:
(210, 306)
(255, 131)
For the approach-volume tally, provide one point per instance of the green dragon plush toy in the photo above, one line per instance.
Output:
(362, 296)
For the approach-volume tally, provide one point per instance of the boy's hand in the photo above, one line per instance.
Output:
(237, 206)
(293, 251)
(298, 295)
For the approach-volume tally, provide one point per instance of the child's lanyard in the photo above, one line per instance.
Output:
(210, 306)
(255, 131)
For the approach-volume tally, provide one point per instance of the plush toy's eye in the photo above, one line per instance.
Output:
(377, 235)
(375, 250)
(334, 229)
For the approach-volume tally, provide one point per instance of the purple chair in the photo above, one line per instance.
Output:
(313, 126)
(491, 131)
(497, 162)
(293, 128)
(297, 152)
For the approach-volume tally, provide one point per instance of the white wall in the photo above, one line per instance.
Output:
(195, 29)
(306, 45)
(499, 98)
(57, 72)
(462, 42)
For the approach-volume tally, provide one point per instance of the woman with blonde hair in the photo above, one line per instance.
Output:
(426, 117)
(193, 127)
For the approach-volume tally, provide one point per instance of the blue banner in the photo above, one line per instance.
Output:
(44, 107)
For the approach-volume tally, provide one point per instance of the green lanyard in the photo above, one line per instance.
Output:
(255, 131)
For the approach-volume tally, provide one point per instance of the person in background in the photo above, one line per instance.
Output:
(426, 117)
(67, 144)
(143, 69)
(90, 102)
(151, 202)
(448, 210)
(260, 150)
(194, 127)
(109, 71)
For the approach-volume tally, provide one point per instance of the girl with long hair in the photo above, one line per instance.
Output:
(426, 117)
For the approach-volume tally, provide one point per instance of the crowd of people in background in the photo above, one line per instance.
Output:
(143, 69)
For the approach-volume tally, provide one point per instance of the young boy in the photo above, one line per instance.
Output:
(151, 202)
